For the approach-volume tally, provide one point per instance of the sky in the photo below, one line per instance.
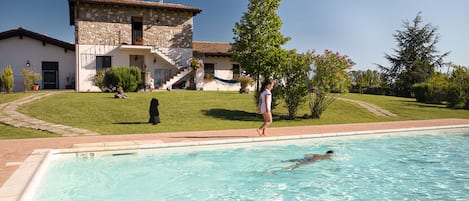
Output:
(362, 29)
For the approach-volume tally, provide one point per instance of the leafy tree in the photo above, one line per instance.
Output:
(366, 79)
(8, 79)
(458, 92)
(329, 75)
(416, 56)
(257, 40)
(294, 86)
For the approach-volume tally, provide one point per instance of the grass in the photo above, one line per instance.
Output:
(179, 111)
(5, 98)
(409, 109)
(9, 132)
(208, 110)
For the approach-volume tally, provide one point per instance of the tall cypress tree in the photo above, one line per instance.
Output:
(257, 40)
(416, 57)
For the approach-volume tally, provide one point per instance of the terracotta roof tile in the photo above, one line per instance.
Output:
(211, 48)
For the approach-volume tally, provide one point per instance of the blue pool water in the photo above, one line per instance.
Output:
(430, 166)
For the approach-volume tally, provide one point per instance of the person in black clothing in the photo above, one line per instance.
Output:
(154, 113)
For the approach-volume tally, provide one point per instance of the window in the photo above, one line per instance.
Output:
(103, 62)
(209, 70)
(236, 71)
(137, 31)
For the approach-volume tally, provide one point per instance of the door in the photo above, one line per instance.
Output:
(50, 75)
(161, 76)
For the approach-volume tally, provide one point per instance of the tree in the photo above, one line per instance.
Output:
(295, 76)
(257, 40)
(329, 75)
(8, 79)
(366, 80)
(416, 56)
(458, 92)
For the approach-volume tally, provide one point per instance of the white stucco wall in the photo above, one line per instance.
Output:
(223, 70)
(119, 57)
(17, 52)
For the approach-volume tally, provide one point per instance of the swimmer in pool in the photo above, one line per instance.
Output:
(308, 159)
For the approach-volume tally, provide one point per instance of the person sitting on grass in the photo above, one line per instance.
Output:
(308, 159)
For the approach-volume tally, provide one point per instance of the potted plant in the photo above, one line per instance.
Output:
(208, 77)
(70, 82)
(29, 79)
(139, 41)
(196, 63)
(245, 81)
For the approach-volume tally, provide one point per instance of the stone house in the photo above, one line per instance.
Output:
(154, 36)
(53, 59)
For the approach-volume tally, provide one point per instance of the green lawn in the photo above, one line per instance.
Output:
(179, 111)
(408, 108)
(5, 98)
(209, 110)
(9, 132)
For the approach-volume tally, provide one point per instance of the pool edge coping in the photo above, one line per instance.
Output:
(16, 185)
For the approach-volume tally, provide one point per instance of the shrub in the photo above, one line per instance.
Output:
(1, 82)
(428, 93)
(455, 97)
(330, 75)
(8, 79)
(295, 79)
(29, 78)
(98, 79)
(129, 78)
(458, 93)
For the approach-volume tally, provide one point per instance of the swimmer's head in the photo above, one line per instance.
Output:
(330, 152)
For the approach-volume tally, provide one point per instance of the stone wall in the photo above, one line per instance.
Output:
(111, 25)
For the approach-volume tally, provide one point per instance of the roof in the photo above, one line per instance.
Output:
(212, 48)
(44, 38)
(133, 3)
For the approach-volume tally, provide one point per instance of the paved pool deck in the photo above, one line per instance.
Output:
(14, 152)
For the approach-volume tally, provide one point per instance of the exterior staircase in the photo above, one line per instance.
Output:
(182, 73)
(166, 56)
(183, 70)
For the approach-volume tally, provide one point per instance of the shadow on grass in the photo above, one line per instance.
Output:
(136, 122)
(426, 105)
(236, 115)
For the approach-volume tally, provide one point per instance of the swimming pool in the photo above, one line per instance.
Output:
(424, 165)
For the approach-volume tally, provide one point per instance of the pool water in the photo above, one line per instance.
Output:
(430, 166)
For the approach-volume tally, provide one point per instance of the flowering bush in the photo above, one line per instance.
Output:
(330, 76)
(245, 79)
(140, 39)
(196, 63)
(330, 72)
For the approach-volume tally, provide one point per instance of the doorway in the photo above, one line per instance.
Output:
(50, 75)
